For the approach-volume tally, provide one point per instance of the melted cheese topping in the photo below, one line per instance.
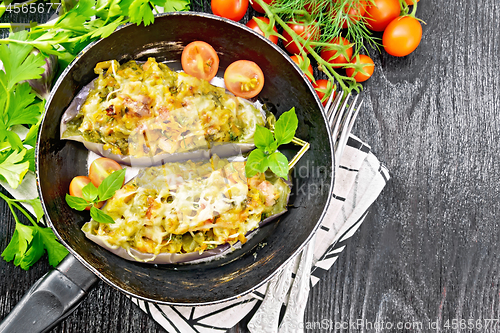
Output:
(148, 109)
(188, 207)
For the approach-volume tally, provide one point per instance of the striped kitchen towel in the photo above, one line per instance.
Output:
(358, 182)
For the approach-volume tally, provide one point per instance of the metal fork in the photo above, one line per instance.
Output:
(341, 115)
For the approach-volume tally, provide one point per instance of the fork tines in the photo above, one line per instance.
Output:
(341, 114)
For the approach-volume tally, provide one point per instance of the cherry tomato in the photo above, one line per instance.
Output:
(402, 36)
(363, 62)
(258, 7)
(353, 12)
(101, 168)
(335, 57)
(313, 7)
(301, 63)
(303, 30)
(321, 86)
(381, 13)
(252, 24)
(410, 2)
(244, 78)
(200, 60)
(231, 9)
(75, 188)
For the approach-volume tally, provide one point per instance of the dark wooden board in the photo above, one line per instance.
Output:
(428, 252)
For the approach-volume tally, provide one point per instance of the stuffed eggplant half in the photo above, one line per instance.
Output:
(146, 114)
(187, 212)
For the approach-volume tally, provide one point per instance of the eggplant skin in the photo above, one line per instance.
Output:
(146, 114)
(152, 181)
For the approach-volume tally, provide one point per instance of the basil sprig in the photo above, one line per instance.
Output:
(266, 154)
(92, 195)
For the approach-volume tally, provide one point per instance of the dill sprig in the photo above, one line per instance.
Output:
(283, 11)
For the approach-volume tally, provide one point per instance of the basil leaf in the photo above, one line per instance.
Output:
(76, 202)
(278, 164)
(89, 192)
(285, 127)
(111, 184)
(99, 216)
(272, 147)
(263, 137)
(257, 161)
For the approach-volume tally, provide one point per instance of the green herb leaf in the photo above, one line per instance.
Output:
(28, 243)
(37, 207)
(257, 162)
(34, 252)
(55, 250)
(111, 184)
(263, 138)
(278, 164)
(99, 216)
(13, 169)
(20, 111)
(89, 192)
(285, 127)
(176, 5)
(76, 202)
(19, 64)
(18, 244)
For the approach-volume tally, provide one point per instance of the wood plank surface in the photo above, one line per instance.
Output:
(429, 251)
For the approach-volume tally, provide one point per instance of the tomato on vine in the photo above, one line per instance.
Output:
(306, 31)
(254, 25)
(305, 65)
(339, 53)
(352, 13)
(362, 69)
(410, 2)
(402, 36)
(231, 9)
(322, 88)
(258, 8)
(381, 13)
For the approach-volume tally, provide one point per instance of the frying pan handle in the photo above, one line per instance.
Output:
(51, 298)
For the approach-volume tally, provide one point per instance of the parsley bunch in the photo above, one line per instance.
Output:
(29, 243)
(93, 195)
(266, 154)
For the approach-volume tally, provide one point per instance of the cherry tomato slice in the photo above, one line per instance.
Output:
(231, 9)
(101, 168)
(252, 24)
(200, 60)
(244, 78)
(258, 7)
(366, 63)
(75, 188)
(301, 63)
(335, 57)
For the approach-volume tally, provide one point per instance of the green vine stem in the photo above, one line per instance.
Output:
(346, 83)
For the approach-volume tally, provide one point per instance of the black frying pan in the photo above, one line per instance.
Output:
(243, 270)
